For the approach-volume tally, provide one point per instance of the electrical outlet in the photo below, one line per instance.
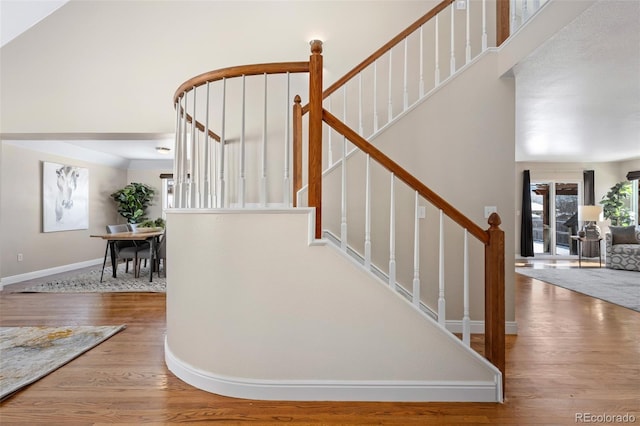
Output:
(20, 257)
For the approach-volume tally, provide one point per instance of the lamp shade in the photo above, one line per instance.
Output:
(590, 213)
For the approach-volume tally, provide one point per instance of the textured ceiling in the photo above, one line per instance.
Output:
(578, 95)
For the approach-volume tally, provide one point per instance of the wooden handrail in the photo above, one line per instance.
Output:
(378, 53)
(238, 71)
(232, 72)
(405, 176)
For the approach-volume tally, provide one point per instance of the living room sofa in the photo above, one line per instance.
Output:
(623, 248)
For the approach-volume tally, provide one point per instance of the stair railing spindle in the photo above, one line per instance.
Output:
(367, 215)
(376, 124)
(468, 33)
(392, 235)
(242, 171)
(441, 298)
(221, 148)
(416, 253)
(177, 158)
(263, 179)
(405, 89)
(343, 201)
(466, 321)
(452, 61)
(286, 185)
(421, 84)
(206, 189)
(484, 25)
(193, 191)
(390, 108)
(437, 51)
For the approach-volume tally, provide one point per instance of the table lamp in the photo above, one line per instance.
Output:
(590, 215)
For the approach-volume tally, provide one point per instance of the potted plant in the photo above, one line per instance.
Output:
(133, 201)
(614, 205)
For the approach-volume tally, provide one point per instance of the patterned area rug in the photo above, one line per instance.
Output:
(610, 285)
(89, 282)
(30, 353)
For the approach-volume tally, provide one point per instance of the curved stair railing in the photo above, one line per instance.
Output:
(255, 155)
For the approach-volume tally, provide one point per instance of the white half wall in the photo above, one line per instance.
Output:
(255, 310)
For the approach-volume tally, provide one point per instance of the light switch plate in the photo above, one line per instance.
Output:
(488, 210)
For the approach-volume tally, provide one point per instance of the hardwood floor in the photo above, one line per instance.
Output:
(573, 355)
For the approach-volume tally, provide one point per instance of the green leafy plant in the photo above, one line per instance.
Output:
(615, 206)
(158, 223)
(133, 201)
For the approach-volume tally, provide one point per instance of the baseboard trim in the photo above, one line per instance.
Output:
(477, 327)
(13, 279)
(334, 390)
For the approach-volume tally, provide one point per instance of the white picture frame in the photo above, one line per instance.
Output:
(65, 197)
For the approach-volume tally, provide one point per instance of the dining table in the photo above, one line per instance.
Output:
(151, 236)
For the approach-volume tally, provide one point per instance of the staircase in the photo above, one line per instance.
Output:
(283, 317)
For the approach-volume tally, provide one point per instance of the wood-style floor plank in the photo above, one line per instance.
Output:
(573, 354)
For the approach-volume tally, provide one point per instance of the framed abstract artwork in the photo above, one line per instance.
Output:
(65, 197)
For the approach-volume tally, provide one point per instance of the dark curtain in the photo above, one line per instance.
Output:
(526, 228)
(590, 248)
(589, 188)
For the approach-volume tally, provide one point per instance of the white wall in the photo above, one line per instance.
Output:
(265, 309)
(21, 213)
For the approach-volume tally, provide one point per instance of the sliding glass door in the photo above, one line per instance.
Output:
(555, 217)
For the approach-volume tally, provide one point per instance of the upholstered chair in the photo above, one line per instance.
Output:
(623, 248)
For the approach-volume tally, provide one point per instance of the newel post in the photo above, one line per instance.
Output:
(494, 315)
(297, 148)
(315, 133)
(503, 24)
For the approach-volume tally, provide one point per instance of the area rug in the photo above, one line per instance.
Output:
(30, 353)
(610, 285)
(89, 282)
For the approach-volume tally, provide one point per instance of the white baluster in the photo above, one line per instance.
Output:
(514, 23)
(405, 96)
(536, 5)
(468, 30)
(206, 188)
(263, 179)
(193, 184)
(360, 129)
(176, 150)
(221, 165)
(242, 179)
(421, 65)
(375, 97)
(466, 321)
(392, 236)
(452, 64)
(287, 147)
(343, 204)
(525, 11)
(185, 157)
(390, 110)
(484, 25)
(329, 140)
(437, 54)
(416, 254)
(367, 216)
(441, 299)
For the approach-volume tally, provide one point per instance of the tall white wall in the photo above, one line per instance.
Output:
(255, 311)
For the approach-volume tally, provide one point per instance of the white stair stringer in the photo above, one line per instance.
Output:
(256, 308)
